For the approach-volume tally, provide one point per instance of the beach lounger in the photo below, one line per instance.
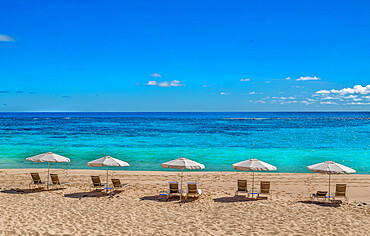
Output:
(36, 181)
(340, 191)
(97, 184)
(319, 195)
(117, 184)
(193, 190)
(264, 189)
(55, 181)
(242, 187)
(173, 189)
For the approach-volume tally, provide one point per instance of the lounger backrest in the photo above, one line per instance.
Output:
(116, 183)
(192, 188)
(55, 179)
(96, 181)
(340, 190)
(36, 178)
(321, 193)
(174, 187)
(265, 187)
(242, 185)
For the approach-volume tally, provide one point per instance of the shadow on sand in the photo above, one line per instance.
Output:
(95, 193)
(157, 198)
(27, 191)
(336, 203)
(237, 199)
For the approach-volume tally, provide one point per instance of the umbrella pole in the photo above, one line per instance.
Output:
(329, 187)
(182, 176)
(253, 184)
(47, 183)
(107, 178)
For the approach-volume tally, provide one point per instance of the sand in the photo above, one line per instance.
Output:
(137, 210)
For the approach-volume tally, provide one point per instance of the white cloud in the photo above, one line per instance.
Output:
(351, 97)
(260, 101)
(6, 38)
(357, 89)
(165, 84)
(323, 91)
(306, 78)
(330, 98)
(255, 93)
(288, 78)
(207, 85)
(244, 80)
(223, 93)
(155, 75)
(329, 103)
(357, 103)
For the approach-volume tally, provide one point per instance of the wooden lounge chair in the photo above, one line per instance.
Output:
(117, 184)
(56, 182)
(242, 187)
(340, 191)
(319, 195)
(264, 189)
(36, 181)
(173, 189)
(193, 190)
(97, 184)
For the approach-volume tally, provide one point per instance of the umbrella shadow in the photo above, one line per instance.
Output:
(157, 198)
(26, 191)
(336, 203)
(95, 193)
(235, 199)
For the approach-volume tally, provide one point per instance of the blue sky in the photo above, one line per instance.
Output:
(184, 55)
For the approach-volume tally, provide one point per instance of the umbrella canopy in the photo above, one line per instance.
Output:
(183, 163)
(254, 165)
(48, 157)
(330, 167)
(107, 161)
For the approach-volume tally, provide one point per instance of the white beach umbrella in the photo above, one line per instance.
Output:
(107, 161)
(330, 167)
(183, 163)
(254, 165)
(48, 157)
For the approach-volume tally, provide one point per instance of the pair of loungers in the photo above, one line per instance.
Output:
(97, 184)
(243, 188)
(340, 192)
(37, 183)
(192, 190)
(55, 182)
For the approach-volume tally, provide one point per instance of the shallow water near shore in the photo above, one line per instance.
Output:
(288, 140)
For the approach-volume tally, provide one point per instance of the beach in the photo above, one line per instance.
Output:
(137, 210)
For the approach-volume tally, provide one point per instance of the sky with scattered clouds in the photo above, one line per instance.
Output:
(185, 56)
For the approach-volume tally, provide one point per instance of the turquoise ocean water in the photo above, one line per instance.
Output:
(290, 141)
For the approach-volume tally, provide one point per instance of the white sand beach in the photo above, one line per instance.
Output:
(137, 211)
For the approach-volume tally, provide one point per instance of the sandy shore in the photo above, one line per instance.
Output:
(137, 211)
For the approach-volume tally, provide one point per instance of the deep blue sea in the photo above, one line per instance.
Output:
(288, 140)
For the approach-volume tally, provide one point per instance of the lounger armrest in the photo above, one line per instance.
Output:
(200, 191)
